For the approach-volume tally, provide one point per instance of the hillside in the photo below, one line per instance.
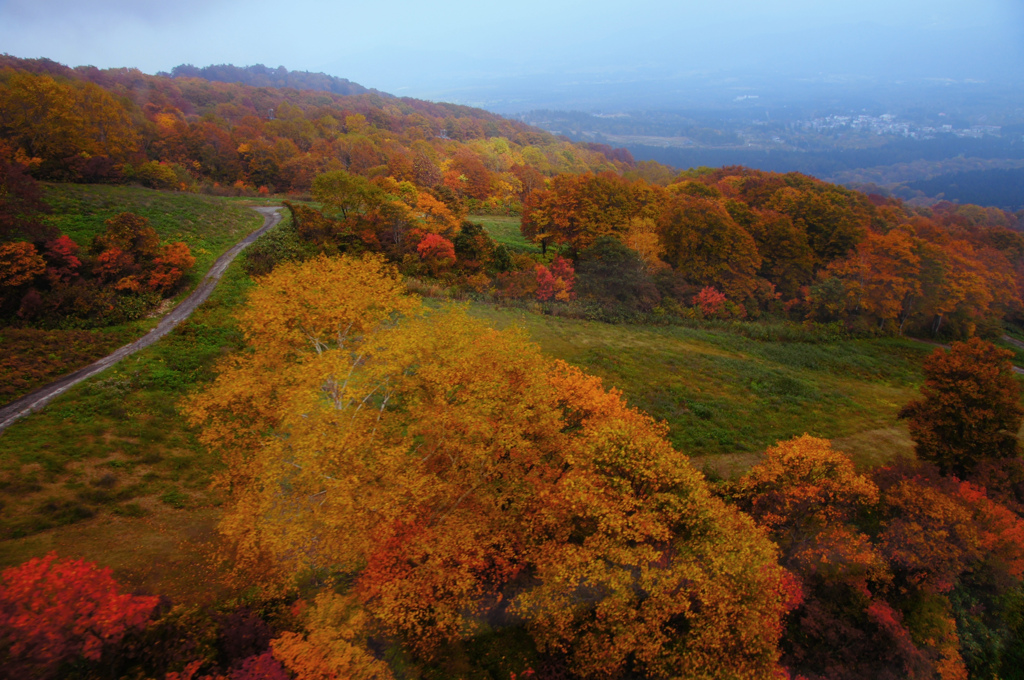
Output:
(225, 137)
(259, 75)
(489, 404)
(73, 326)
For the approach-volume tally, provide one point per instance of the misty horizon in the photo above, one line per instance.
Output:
(566, 55)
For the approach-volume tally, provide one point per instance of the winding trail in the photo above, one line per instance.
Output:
(41, 397)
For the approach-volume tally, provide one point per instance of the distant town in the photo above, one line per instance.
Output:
(663, 129)
(889, 124)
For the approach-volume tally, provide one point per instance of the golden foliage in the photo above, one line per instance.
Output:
(20, 263)
(335, 646)
(450, 469)
(804, 481)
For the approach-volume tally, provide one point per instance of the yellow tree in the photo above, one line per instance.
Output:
(56, 120)
(448, 469)
(293, 316)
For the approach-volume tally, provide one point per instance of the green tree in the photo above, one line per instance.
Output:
(613, 274)
(342, 192)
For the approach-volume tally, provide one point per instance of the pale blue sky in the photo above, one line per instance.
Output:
(415, 48)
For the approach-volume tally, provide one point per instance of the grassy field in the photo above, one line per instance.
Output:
(505, 230)
(114, 456)
(111, 472)
(209, 226)
(726, 397)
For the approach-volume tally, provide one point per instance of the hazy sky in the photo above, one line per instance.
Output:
(416, 48)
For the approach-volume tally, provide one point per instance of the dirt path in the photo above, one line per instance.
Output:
(1014, 341)
(38, 399)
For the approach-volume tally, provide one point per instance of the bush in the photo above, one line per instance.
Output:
(281, 244)
(152, 174)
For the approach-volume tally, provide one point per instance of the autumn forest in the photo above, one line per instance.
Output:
(487, 403)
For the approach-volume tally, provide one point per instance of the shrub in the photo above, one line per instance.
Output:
(53, 611)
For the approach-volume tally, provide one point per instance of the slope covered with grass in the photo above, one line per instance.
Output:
(210, 226)
(726, 396)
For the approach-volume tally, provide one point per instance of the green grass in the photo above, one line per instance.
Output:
(1018, 351)
(111, 472)
(208, 225)
(116, 443)
(727, 395)
(505, 230)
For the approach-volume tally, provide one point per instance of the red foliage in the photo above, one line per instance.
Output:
(436, 246)
(52, 611)
(556, 282)
(545, 283)
(114, 264)
(62, 261)
(174, 261)
(710, 301)
(260, 667)
(563, 271)
(438, 253)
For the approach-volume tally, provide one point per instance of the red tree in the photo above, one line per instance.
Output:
(438, 252)
(175, 260)
(62, 260)
(52, 611)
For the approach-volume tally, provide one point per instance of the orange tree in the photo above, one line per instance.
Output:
(903, 573)
(970, 411)
(578, 209)
(707, 246)
(809, 497)
(454, 475)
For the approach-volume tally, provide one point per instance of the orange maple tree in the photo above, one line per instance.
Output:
(20, 264)
(706, 245)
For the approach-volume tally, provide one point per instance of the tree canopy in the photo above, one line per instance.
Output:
(453, 474)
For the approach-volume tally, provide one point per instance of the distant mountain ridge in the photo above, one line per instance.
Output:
(1001, 187)
(259, 75)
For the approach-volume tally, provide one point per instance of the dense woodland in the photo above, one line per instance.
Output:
(404, 486)
(261, 76)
